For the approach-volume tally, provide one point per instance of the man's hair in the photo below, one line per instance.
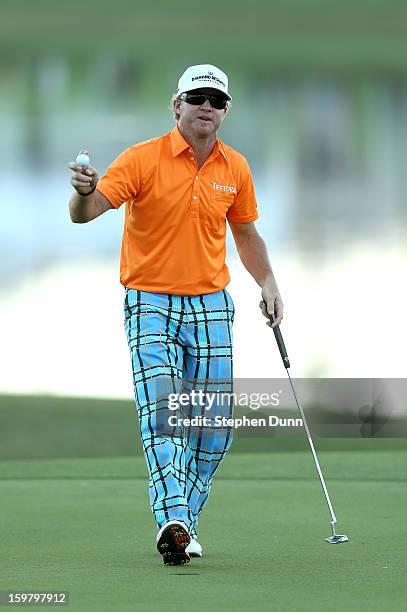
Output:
(172, 109)
(176, 115)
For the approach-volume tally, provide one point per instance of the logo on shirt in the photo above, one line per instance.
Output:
(225, 188)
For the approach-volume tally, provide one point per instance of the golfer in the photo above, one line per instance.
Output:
(179, 190)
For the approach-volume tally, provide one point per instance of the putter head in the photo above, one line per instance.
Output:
(337, 539)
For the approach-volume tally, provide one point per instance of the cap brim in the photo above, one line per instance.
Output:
(200, 87)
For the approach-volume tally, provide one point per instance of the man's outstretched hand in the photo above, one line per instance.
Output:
(83, 178)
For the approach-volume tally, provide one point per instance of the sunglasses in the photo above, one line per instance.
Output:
(218, 102)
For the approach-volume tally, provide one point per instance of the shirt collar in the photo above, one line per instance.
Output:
(179, 144)
(222, 149)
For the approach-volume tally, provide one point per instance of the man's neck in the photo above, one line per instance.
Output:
(202, 147)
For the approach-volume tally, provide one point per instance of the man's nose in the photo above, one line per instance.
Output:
(206, 105)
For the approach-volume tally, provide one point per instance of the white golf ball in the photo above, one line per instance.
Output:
(82, 159)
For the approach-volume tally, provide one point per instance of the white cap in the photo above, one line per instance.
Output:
(203, 75)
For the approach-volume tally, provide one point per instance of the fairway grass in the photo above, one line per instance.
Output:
(84, 526)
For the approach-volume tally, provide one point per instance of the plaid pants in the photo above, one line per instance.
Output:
(179, 344)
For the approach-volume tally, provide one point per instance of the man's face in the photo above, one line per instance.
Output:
(201, 119)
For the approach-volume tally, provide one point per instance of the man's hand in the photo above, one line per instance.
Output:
(83, 178)
(81, 208)
(271, 302)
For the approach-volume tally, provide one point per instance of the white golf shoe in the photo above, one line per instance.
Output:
(172, 542)
(194, 549)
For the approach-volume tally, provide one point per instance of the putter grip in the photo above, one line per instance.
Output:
(280, 343)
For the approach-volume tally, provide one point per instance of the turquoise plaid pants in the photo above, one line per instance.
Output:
(179, 344)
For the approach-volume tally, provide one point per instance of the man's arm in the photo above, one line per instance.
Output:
(86, 208)
(82, 207)
(253, 254)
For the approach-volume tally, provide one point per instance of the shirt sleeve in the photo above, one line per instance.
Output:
(122, 180)
(244, 208)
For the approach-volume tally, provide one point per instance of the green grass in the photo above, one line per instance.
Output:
(84, 525)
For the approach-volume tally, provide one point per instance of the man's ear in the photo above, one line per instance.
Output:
(177, 105)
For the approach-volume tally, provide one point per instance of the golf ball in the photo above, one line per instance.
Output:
(82, 159)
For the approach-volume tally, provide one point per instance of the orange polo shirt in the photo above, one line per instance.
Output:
(174, 238)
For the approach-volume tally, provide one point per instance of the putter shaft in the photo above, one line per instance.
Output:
(334, 539)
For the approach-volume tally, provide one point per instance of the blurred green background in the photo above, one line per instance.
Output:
(320, 111)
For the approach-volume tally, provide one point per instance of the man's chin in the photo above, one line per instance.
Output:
(204, 127)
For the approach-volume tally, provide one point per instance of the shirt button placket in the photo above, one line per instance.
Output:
(195, 199)
(195, 192)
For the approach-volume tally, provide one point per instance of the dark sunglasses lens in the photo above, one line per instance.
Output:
(217, 102)
(195, 99)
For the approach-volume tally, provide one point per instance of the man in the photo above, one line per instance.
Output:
(179, 190)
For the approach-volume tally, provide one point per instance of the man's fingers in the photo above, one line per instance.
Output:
(275, 307)
(75, 183)
(277, 321)
(79, 176)
(83, 177)
(266, 309)
(278, 309)
(75, 167)
(79, 180)
(263, 308)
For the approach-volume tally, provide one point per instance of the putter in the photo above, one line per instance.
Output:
(335, 538)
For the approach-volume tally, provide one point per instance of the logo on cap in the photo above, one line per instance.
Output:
(208, 77)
